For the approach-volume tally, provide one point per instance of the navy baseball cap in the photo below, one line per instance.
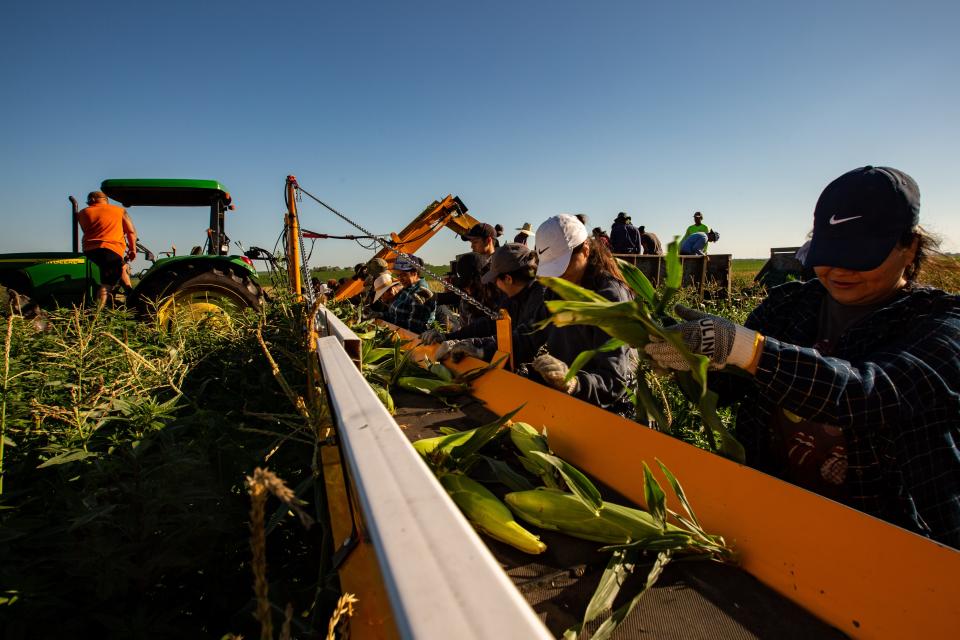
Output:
(481, 230)
(861, 216)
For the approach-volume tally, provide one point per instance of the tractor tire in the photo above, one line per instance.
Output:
(13, 299)
(209, 296)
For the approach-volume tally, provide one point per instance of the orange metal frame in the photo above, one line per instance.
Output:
(864, 576)
(449, 212)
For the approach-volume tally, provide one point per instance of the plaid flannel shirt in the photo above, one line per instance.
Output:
(409, 312)
(893, 386)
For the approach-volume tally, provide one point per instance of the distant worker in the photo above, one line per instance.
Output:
(624, 237)
(525, 232)
(106, 227)
(650, 242)
(696, 243)
(415, 306)
(849, 385)
(696, 227)
(601, 236)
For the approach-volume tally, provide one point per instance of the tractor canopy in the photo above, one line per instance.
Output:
(166, 192)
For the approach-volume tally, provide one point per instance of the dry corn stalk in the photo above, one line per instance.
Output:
(262, 483)
(343, 611)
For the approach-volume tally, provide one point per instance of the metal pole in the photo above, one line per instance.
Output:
(75, 225)
(293, 240)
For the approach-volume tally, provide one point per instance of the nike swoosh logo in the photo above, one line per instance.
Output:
(835, 220)
(541, 251)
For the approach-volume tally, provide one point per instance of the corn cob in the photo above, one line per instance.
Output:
(564, 512)
(528, 440)
(446, 443)
(488, 514)
(431, 386)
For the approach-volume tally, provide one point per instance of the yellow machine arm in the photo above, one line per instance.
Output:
(449, 212)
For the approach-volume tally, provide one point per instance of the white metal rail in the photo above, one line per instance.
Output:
(441, 579)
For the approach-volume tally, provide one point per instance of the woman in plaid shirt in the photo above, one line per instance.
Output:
(854, 385)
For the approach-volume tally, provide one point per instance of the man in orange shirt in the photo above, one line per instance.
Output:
(108, 238)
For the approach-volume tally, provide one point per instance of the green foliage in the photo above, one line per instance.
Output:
(123, 512)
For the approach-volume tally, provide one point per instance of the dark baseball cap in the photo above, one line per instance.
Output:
(506, 259)
(861, 216)
(480, 230)
(405, 264)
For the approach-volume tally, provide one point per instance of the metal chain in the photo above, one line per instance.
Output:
(490, 313)
(307, 285)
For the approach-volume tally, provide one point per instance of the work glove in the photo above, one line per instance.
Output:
(722, 341)
(457, 350)
(431, 336)
(553, 371)
(423, 294)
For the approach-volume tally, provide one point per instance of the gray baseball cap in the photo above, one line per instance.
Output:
(508, 258)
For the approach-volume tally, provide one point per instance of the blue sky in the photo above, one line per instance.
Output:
(743, 110)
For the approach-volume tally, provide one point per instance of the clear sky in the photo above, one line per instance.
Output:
(742, 110)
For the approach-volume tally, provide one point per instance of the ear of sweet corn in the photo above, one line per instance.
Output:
(564, 512)
(488, 514)
(445, 443)
(528, 440)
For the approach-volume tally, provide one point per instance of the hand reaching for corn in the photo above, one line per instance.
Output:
(431, 336)
(553, 371)
(457, 350)
(721, 340)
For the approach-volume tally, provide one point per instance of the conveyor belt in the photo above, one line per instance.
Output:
(691, 600)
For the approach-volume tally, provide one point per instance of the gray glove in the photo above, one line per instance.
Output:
(458, 350)
(722, 341)
(431, 336)
(553, 371)
(423, 294)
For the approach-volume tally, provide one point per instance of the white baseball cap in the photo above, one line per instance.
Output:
(556, 240)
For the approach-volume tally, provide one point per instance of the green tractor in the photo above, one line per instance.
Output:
(207, 284)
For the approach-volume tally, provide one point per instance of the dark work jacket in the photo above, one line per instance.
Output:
(625, 238)
(526, 309)
(651, 244)
(605, 379)
(891, 384)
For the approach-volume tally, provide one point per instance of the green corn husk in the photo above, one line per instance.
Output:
(444, 443)
(564, 512)
(488, 514)
(431, 386)
(528, 441)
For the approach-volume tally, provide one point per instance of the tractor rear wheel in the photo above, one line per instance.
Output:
(206, 298)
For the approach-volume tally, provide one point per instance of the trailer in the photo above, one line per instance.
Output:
(809, 567)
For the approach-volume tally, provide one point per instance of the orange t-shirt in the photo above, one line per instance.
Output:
(104, 226)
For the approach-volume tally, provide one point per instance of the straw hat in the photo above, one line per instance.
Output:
(526, 229)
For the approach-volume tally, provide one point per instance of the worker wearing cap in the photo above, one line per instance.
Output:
(483, 242)
(481, 237)
(853, 385)
(696, 227)
(106, 227)
(565, 250)
(415, 306)
(513, 270)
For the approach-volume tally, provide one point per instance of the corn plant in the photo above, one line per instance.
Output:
(633, 323)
